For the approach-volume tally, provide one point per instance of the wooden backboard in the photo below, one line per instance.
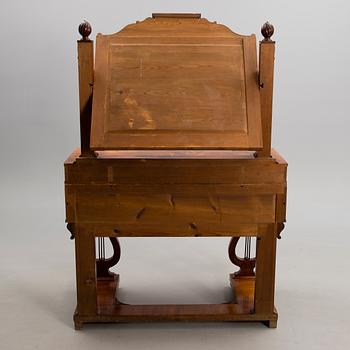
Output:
(176, 83)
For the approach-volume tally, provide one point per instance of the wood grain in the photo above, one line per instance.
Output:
(192, 209)
(266, 74)
(265, 268)
(86, 272)
(111, 310)
(174, 196)
(154, 168)
(176, 115)
(194, 88)
(86, 79)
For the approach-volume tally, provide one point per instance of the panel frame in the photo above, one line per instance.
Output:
(102, 140)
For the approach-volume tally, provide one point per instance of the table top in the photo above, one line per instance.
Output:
(178, 154)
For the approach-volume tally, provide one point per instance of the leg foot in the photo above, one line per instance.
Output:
(270, 323)
(78, 325)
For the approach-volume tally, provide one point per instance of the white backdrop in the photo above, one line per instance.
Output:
(39, 128)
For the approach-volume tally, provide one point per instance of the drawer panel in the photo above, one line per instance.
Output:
(171, 209)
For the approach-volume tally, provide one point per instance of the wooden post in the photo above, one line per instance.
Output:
(265, 269)
(85, 257)
(86, 80)
(266, 68)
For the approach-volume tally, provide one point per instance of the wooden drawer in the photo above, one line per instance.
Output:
(173, 196)
(171, 209)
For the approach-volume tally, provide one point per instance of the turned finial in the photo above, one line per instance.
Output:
(85, 30)
(267, 31)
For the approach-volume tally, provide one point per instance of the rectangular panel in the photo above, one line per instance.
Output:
(158, 167)
(162, 93)
(174, 196)
(170, 209)
(191, 98)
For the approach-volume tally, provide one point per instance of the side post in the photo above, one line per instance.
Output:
(266, 70)
(85, 257)
(86, 80)
(265, 273)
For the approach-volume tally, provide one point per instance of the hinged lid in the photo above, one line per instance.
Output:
(173, 82)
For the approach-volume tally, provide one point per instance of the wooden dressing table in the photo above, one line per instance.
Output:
(175, 119)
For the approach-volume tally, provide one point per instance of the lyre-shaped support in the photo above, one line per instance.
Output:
(103, 265)
(246, 265)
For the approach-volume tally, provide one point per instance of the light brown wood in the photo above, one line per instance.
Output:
(111, 310)
(266, 73)
(86, 272)
(178, 113)
(173, 196)
(86, 79)
(172, 83)
(265, 269)
(141, 209)
(189, 168)
(243, 292)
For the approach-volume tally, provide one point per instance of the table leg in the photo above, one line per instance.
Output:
(86, 272)
(265, 269)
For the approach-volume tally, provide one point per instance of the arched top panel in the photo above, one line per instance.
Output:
(176, 82)
(176, 25)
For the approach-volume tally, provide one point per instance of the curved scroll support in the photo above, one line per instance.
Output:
(71, 229)
(280, 228)
(246, 265)
(103, 265)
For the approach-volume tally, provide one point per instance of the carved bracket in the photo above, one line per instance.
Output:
(246, 265)
(103, 265)
(71, 229)
(280, 228)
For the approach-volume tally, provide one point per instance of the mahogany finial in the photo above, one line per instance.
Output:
(85, 30)
(267, 31)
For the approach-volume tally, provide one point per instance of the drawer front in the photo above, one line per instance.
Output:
(171, 209)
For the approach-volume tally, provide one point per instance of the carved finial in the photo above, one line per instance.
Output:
(85, 30)
(267, 31)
